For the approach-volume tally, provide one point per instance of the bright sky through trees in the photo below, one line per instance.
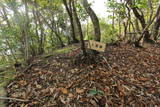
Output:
(99, 6)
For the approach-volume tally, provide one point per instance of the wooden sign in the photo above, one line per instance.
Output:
(96, 46)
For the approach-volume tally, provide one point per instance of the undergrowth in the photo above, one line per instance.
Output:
(6, 76)
(63, 50)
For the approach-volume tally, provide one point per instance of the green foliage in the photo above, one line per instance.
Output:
(81, 12)
(6, 76)
(141, 4)
(49, 4)
(48, 18)
(118, 8)
(107, 32)
(63, 50)
(95, 92)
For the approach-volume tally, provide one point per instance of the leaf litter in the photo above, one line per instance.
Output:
(122, 76)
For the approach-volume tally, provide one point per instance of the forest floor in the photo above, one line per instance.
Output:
(121, 76)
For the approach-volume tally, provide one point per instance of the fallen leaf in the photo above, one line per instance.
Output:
(34, 102)
(52, 90)
(143, 79)
(93, 102)
(62, 100)
(70, 95)
(64, 90)
(22, 82)
(38, 86)
(79, 91)
(107, 90)
(37, 69)
(22, 105)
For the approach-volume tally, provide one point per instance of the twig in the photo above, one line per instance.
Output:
(63, 58)
(77, 81)
(11, 84)
(8, 98)
(29, 67)
(135, 85)
(107, 63)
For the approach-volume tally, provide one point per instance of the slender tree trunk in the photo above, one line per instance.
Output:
(113, 20)
(149, 24)
(57, 32)
(119, 26)
(151, 10)
(87, 31)
(137, 26)
(42, 38)
(69, 11)
(94, 19)
(26, 30)
(156, 28)
(52, 29)
(36, 29)
(139, 15)
(125, 29)
(79, 29)
(156, 24)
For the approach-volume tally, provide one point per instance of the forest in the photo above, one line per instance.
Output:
(62, 53)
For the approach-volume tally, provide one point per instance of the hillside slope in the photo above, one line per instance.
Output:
(122, 76)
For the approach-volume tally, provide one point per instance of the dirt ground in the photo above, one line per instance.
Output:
(122, 76)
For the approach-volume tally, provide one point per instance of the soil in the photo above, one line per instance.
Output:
(121, 76)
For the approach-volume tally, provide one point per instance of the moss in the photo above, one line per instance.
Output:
(7, 76)
(64, 50)
(60, 51)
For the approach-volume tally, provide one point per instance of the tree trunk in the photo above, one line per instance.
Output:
(26, 30)
(125, 29)
(113, 20)
(140, 17)
(42, 38)
(151, 10)
(137, 26)
(156, 28)
(119, 26)
(52, 29)
(69, 11)
(36, 29)
(79, 29)
(157, 24)
(94, 19)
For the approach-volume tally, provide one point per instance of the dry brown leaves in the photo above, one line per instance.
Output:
(130, 77)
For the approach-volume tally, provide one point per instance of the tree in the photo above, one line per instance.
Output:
(26, 31)
(6, 37)
(70, 13)
(157, 24)
(144, 15)
(140, 16)
(79, 29)
(94, 19)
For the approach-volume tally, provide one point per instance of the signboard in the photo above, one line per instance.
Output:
(96, 46)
